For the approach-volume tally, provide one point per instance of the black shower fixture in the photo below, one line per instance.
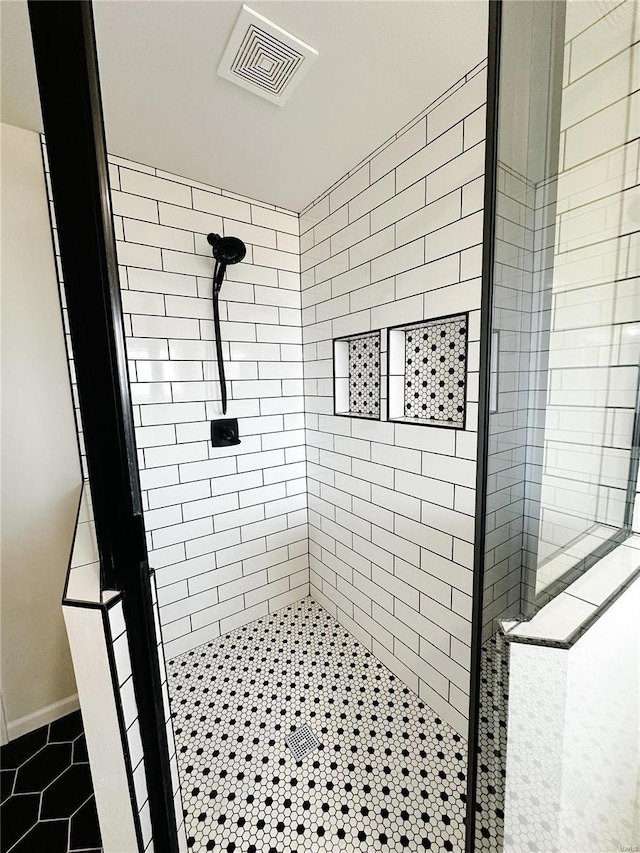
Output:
(226, 250)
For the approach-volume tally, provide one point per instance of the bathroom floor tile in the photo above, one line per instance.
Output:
(85, 832)
(45, 782)
(388, 775)
(492, 744)
(18, 815)
(40, 770)
(17, 751)
(80, 754)
(50, 835)
(66, 728)
(65, 796)
(7, 778)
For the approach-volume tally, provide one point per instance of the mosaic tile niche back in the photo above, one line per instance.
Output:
(435, 370)
(387, 775)
(364, 375)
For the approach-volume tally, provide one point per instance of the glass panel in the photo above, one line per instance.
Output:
(566, 298)
(563, 421)
(586, 268)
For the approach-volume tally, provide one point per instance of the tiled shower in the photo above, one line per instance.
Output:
(373, 519)
(370, 607)
(369, 512)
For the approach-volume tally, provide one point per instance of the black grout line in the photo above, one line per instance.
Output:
(381, 548)
(393, 197)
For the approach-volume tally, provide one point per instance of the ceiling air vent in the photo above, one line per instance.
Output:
(264, 59)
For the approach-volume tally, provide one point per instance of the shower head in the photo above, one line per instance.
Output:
(227, 250)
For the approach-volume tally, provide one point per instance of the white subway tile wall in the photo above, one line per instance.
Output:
(391, 505)
(171, 741)
(117, 639)
(227, 527)
(65, 321)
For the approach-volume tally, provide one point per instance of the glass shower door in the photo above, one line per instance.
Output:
(563, 422)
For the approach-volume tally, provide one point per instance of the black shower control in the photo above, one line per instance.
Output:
(224, 433)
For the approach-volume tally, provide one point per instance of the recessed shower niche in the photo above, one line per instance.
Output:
(428, 372)
(357, 375)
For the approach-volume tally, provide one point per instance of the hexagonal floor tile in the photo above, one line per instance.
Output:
(17, 751)
(45, 766)
(7, 778)
(51, 836)
(66, 729)
(80, 754)
(385, 759)
(85, 831)
(65, 796)
(17, 815)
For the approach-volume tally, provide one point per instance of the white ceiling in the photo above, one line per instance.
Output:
(380, 63)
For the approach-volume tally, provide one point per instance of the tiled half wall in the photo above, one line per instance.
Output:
(391, 505)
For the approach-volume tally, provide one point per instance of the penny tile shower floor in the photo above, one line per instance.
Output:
(388, 774)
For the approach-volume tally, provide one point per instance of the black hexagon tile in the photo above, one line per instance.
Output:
(389, 775)
(64, 797)
(7, 778)
(66, 728)
(17, 751)
(17, 816)
(52, 836)
(80, 754)
(85, 831)
(47, 793)
(42, 768)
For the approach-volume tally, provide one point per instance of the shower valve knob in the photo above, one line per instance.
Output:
(224, 433)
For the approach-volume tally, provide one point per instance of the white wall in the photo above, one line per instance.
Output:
(391, 505)
(40, 463)
(227, 527)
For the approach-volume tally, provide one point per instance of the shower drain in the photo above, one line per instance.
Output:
(302, 742)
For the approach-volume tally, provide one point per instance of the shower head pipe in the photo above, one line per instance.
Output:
(226, 250)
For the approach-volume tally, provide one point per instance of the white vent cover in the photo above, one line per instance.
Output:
(264, 58)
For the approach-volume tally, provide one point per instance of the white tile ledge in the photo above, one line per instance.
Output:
(565, 618)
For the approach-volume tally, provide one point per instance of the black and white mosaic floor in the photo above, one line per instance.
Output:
(492, 744)
(388, 774)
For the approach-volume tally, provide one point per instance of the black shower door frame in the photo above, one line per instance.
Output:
(484, 408)
(68, 80)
